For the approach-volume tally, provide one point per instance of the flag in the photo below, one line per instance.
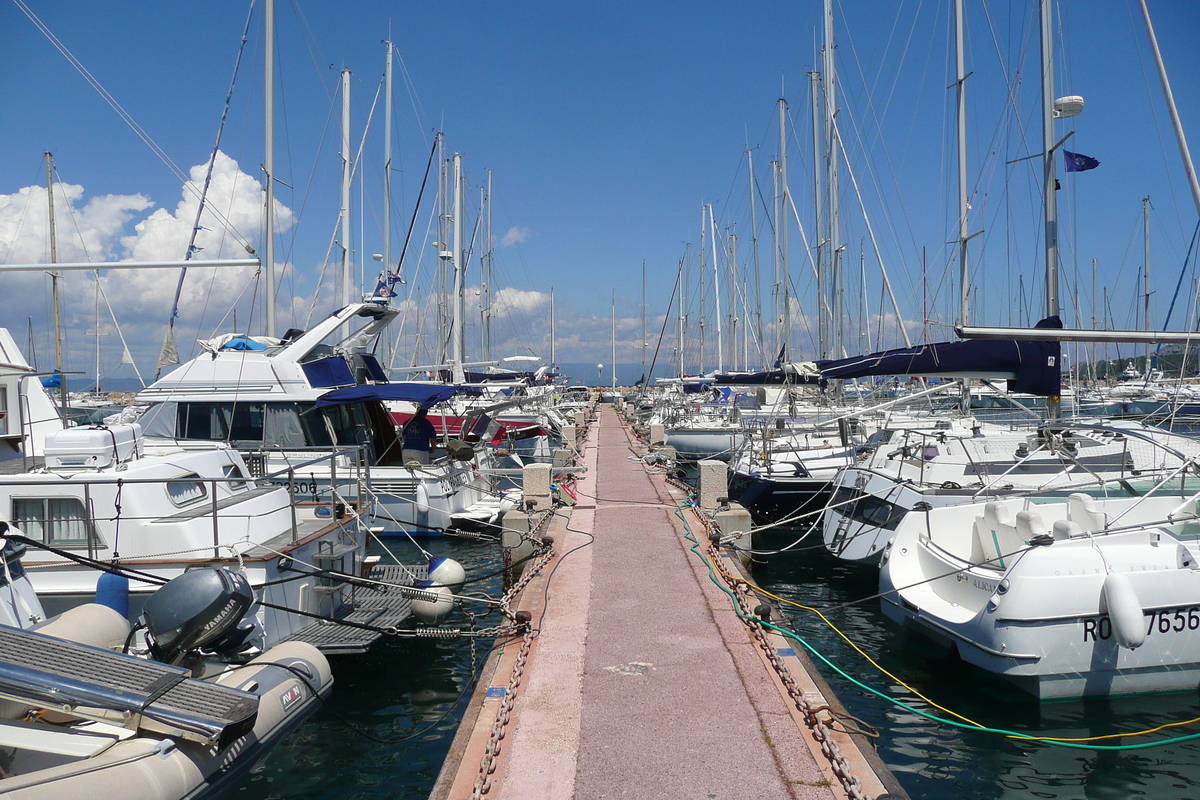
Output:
(1078, 162)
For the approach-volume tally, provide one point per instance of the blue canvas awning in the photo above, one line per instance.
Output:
(423, 394)
(1029, 367)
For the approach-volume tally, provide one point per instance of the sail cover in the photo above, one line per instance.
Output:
(423, 394)
(1029, 367)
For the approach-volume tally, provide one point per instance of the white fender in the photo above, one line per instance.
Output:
(422, 498)
(1124, 609)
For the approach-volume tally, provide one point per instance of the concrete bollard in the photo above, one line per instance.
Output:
(536, 486)
(658, 434)
(569, 439)
(714, 483)
(514, 523)
(667, 453)
(736, 521)
(562, 458)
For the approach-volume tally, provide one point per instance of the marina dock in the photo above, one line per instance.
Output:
(641, 679)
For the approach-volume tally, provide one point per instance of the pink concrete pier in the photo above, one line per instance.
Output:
(642, 681)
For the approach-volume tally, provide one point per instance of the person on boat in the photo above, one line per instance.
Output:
(419, 438)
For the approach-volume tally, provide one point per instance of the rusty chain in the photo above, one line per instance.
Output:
(487, 765)
(821, 732)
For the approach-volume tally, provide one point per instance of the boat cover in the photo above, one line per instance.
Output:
(1029, 367)
(423, 394)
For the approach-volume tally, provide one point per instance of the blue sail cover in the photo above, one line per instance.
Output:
(1029, 367)
(423, 394)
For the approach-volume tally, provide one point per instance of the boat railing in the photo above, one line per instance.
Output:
(358, 479)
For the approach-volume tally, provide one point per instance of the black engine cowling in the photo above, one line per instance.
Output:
(199, 609)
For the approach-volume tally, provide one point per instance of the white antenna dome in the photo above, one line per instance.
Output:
(1068, 106)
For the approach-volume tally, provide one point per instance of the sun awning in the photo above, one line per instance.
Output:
(423, 394)
(1031, 367)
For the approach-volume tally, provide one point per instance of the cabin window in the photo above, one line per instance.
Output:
(3, 411)
(234, 471)
(220, 422)
(58, 521)
(186, 489)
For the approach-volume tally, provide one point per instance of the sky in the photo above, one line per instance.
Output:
(605, 129)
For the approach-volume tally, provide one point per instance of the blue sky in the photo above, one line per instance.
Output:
(606, 127)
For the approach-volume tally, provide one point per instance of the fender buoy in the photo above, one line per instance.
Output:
(1124, 609)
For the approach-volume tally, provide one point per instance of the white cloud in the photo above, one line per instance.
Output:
(508, 301)
(515, 235)
(81, 233)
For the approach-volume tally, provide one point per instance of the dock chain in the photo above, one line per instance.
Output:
(821, 732)
(487, 765)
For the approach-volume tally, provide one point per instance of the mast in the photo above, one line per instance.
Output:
(777, 287)
(1146, 274)
(731, 302)
(55, 275)
(456, 330)
(487, 286)
(712, 235)
(1050, 181)
(1180, 138)
(964, 276)
(823, 320)
(552, 360)
(784, 200)
(831, 147)
(683, 307)
(754, 249)
(346, 266)
(269, 165)
(703, 268)
(644, 321)
(614, 340)
(387, 164)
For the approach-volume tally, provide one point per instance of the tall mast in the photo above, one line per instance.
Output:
(487, 286)
(712, 235)
(831, 148)
(644, 321)
(1050, 181)
(731, 299)
(1146, 273)
(387, 163)
(703, 268)
(814, 79)
(964, 276)
(552, 360)
(682, 278)
(784, 201)
(445, 255)
(55, 275)
(754, 248)
(614, 340)
(778, 286)
(456, 331)
(1188, 166)
(346, 267)
(269, 166)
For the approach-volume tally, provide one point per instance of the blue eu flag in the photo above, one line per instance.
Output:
(1078, 162)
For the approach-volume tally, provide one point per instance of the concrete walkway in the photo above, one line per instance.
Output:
(642, 682)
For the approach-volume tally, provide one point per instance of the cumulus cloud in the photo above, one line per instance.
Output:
(515, 235)
(98, 229)
(508, 301)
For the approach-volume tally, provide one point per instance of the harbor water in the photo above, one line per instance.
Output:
(400, 688)
(942, 762)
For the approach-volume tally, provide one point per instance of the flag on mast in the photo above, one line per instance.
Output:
(1078, 162)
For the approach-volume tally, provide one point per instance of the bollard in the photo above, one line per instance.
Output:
(569, 439)
(714, 483)
(536, 486)
(658, 434)
(562, 458)
(513, 523)
(735, 520)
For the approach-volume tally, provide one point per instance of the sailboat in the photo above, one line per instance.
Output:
(1094, 595)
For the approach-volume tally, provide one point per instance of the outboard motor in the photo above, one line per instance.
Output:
(200, 609)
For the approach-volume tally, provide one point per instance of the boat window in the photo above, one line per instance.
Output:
(283, 428)
(58, 521)
(234, 471)
(186, 489)
(3, 410)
